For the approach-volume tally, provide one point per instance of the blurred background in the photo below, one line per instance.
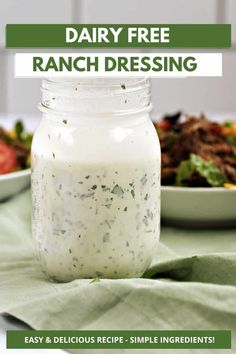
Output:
(212, 95)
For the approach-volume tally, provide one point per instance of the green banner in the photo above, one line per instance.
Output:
(118, 339)
(118, 36)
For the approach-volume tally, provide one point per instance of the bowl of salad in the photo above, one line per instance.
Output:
(15, 147)
(198, 173)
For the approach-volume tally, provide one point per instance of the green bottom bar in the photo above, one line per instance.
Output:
(118, 339)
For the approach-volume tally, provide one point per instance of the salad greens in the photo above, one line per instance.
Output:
(21, 133)
(206, 169)
(231, 140)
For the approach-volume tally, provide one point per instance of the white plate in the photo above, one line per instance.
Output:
(198, 207)
(13, 183)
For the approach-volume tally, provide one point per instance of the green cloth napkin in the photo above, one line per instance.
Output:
(194, 285)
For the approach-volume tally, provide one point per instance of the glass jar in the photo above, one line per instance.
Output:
(96, 179)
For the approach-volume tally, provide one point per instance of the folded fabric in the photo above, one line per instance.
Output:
(179, 291)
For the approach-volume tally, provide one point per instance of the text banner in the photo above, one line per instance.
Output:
(118, 36)
(118, 339)
(118, 64)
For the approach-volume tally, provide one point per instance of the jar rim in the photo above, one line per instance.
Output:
(104, 95)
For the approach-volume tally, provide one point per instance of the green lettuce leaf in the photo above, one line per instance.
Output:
(231, 140)
(206, 169)
(21, 133)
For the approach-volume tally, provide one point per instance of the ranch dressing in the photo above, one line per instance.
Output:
(96, 180)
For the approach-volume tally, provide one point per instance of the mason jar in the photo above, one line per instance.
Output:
(96, 179)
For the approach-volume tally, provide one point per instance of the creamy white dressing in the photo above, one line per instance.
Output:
(96, 220)
(96, 195)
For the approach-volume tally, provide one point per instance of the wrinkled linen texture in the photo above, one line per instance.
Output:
(194, 285)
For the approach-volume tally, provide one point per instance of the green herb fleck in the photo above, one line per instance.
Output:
(88, 195)
(107, 223)
(149, 214)
(145, 221)
(99, 274)
(64, 121)
(117, 190)
(53, 155)
(94, 187)
(106, 237)
(143, 180)
(87, 177)
(107, 205)
(123, 87)
(132, 193)
(125, 209)
(95, 280)
(105, 188)
(70, 250)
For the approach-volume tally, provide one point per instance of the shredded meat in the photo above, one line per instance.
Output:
(199, 136)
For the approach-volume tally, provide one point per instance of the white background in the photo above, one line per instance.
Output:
(216, 95)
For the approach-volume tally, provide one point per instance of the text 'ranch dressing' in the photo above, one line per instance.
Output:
(96, 179)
